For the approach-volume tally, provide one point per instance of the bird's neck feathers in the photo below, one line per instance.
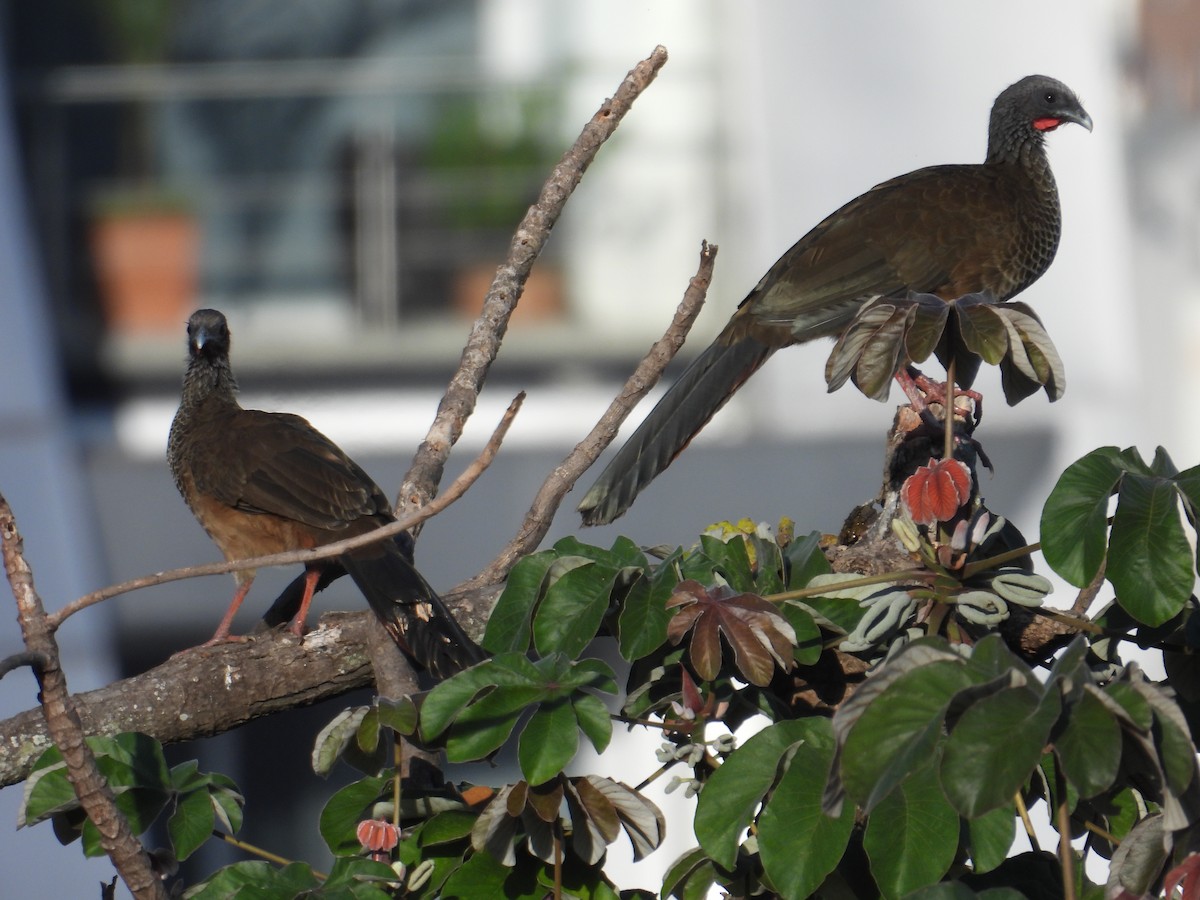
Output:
(209, 381)
(1018, 144)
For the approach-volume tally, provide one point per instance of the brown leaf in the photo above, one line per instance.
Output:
(496, 826)
(758, 635)
(598, 807)
(546, 800)
(641, 819)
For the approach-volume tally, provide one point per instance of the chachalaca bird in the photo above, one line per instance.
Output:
(948, 230)
(265, 482)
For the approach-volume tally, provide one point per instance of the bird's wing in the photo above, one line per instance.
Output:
(904, 234)
(279, 464)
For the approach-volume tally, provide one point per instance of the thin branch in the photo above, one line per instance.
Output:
(562, 479)
(63, 722)
(261, 853)
(421, 482)
(36, 661)
(459, 487)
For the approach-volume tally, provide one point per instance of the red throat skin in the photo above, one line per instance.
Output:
(1047, 124)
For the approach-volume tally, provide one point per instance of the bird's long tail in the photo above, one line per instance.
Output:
(411, 610)
(703, 389)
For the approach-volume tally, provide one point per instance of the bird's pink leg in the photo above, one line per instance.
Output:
(310, 586)
(222, 633)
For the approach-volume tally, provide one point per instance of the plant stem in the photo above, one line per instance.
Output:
(948, 412)
(398, 758)
(261, 853)
(1066, 856)
(1023, 812)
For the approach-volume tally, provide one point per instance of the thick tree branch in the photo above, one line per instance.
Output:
(421, 482)
(202, 692)
(562, 479)
(64, 726)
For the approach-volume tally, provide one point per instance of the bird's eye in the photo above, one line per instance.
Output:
(1050, 97)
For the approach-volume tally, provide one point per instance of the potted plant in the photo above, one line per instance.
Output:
(144, 239)
(492, 175)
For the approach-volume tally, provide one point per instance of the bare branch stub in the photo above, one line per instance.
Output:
(35, 661)
(65, 727)
(560, 481)
(421, 481)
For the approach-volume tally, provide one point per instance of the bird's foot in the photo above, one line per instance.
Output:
(296, 629)
(218, 639)
(936, 392)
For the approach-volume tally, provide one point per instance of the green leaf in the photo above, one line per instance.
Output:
(805, 561)
(257, 879)
(1172, 737)
(227, 805)
(47, 790)
(449, 698)
(731, 559)
(140, 807)
(480, 876)
(642, 623)
(335, 737)
(594, 720)
(1149, 558)
(809, 643)
(799, 844)
(367, 735)
(192, 823)
(689, 877)
(728, 802)
(353, 878)
(912, 835)
(484, 726)
(447, 827)
(1138, 861)
(571, 611)
(481, 707)
(897, 731)
(625, 553)
(1075, 518)
(980, 773)
(1089, 747)
(510, 623)
(345, 809)
(991, 836)
(548, 742)
(398, 715)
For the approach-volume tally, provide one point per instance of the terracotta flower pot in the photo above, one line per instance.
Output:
(541, 301)
(146, 266)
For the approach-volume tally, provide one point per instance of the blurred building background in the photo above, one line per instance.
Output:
(342, 179)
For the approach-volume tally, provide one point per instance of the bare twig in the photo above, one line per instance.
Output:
(421, 482)
(453, 493)
(1088, 592)
(562, 479)
(65, 727)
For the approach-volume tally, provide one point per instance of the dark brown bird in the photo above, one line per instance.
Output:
(265, 482)
(946, 230)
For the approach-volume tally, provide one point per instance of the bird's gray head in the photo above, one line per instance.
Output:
(208, 334)
(1034, 106)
